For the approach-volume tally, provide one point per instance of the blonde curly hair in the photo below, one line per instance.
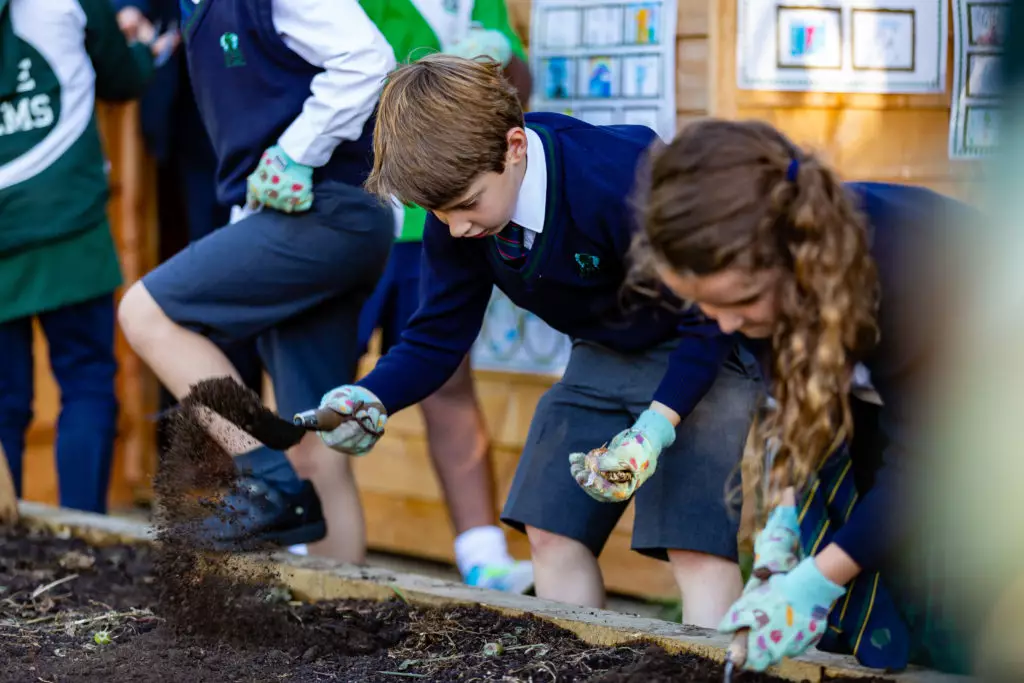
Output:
(739, 194)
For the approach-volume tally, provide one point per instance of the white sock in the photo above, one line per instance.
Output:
(300, 549)
(481, 545)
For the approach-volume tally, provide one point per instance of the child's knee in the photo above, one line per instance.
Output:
(140, 316)
(313, 460)
(547, 543)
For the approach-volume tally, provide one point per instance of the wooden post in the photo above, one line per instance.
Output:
(8, 496)
(133, 222)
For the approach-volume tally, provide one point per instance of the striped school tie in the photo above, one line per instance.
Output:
(865, 622)
(510, 244)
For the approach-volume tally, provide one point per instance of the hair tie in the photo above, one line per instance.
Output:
(794, 168)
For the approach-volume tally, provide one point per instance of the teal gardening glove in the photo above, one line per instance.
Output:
(280, 183)
(777, 547)
(613, 474)
(365, 417)
(786, 615)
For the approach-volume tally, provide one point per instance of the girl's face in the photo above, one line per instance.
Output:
(739, 300)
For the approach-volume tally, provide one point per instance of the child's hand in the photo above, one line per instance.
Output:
(365, 419)
(486, 42)
(786, 614)
(280, 183)
(613, 474)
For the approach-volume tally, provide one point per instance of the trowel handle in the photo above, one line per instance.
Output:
(738, 647)
(319, 420)
(736, 654)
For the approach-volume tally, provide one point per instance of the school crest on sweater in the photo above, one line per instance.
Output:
(587, 264)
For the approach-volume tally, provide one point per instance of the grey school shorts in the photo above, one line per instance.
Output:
(682, 506)
(294, 283)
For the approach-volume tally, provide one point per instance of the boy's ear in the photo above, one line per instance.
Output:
(516, 138)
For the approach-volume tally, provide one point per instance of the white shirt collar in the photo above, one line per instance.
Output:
(533, 193)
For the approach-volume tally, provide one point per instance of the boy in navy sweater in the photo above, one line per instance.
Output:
(837, 288)
(539, 208)
(286, 89)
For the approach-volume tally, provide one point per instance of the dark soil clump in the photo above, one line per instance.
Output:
(107, 624)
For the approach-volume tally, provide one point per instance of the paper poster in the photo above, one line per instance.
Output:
(606, 62)
(513, 340)
(979, 29)
(868, 46)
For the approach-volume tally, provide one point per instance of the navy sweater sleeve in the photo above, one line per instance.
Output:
(910, 244)
(693, 365)
(455, 288)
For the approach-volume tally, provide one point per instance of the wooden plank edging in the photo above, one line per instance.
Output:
(320, 579)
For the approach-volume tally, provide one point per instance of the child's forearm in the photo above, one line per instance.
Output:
(836, 565)
(666, 412)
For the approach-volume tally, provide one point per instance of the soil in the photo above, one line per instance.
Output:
(166, 612)
(73, 612)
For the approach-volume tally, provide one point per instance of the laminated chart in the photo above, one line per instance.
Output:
(979, 35)
(514, 340)
(605, 62)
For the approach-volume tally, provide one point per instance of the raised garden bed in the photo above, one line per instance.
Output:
(87, 598)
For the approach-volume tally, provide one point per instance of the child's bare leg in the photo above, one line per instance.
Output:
(178, 357)
(459, 449)
(332, 476)
(565, 569)
(708, 584)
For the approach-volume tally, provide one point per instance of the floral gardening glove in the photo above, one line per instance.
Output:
(280, 183)
(777, 547)
(365, 419)
(486, 42)
(614, 473)
(786, 614)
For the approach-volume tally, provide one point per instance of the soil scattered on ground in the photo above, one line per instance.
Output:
(167, 612)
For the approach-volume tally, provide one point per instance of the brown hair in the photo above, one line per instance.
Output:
(740, 194)
(442, 122)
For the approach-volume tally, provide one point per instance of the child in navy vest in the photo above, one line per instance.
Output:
(838, 290)
(286, 91)
(539, 207)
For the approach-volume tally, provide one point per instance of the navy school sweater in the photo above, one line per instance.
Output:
(572, 278)
(249, 87)
(911, 231)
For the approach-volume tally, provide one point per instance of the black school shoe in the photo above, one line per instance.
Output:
(256, 515)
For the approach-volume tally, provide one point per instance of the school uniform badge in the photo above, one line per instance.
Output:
(232, 52)
(588, 264)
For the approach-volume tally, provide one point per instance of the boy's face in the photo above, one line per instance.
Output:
(487, 206)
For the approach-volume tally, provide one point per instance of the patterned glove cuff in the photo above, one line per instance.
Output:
(812, 586)
(657, 428)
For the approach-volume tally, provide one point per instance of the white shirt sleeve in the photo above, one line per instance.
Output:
(337, 36)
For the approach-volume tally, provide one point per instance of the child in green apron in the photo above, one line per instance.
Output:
(58, 263)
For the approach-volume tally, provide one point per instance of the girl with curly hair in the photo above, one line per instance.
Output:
(835, 288)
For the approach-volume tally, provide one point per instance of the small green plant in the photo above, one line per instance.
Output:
(493, 649)
(102, 638)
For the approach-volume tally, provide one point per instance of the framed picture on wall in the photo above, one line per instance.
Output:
(559, 78)
(983, 76)
(981, 129)
(809, 37)
(598, 77)
(883, 39)
(986, 24)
